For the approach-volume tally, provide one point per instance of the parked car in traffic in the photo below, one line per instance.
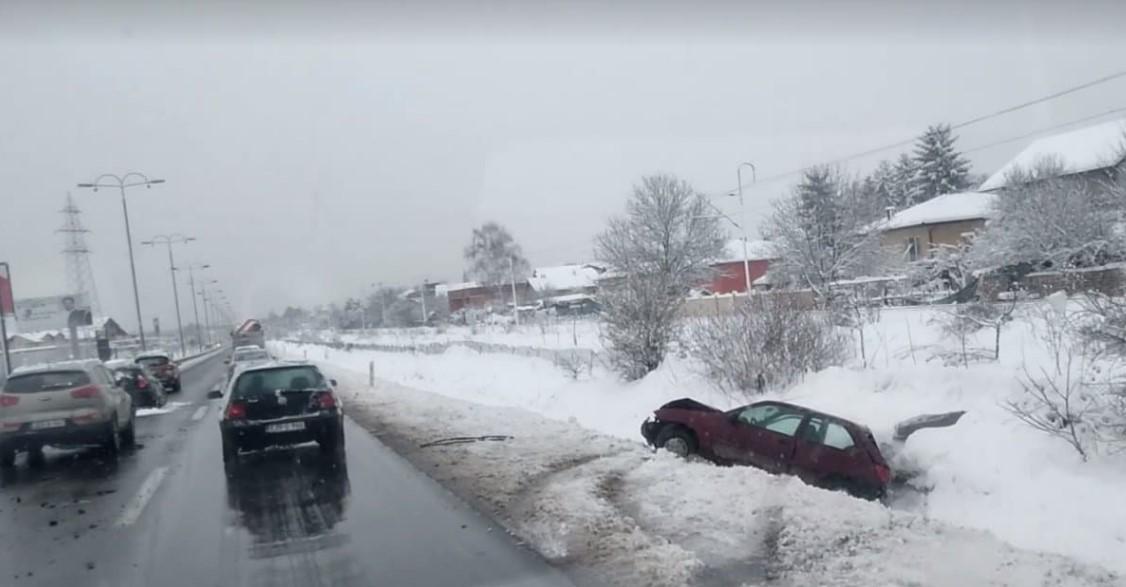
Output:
(63, 404)
(822, 449)
(245, 356)
(141, 384)
(162, 365)
(279, 404)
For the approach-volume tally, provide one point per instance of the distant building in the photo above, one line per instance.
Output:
(1093, 153)
(948, 219)
(729, 274)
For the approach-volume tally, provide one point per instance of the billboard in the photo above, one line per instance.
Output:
(52, 313)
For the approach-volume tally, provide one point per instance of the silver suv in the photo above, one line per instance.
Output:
(63, 404)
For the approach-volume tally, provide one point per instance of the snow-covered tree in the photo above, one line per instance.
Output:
(892, 183)
(820, 236)
(660, 249)
(493, 256)
(1055, 221)
(939, 167)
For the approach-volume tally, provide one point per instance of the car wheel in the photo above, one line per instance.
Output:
(677, 440)
(111, 444)
(230, 453)
(129, 435)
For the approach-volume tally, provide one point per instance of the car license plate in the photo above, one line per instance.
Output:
(285, 427)
(45, 424)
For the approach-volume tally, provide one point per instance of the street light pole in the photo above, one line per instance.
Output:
(121, 182)
(206, 320)
(743, 221)
(169, 240)
(195, 309)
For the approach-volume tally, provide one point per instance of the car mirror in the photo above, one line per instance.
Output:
(333, 382)
(215, 394)
(226, 361)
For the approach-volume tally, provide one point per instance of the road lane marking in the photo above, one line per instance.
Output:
(199, 413)
(137, 505)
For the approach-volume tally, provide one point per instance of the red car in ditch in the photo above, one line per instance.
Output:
(778, 437)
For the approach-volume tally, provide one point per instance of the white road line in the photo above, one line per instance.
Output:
(199, 413)
(137, 505)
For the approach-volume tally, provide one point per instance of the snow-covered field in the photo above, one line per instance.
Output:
(548, 333)
(995, 492)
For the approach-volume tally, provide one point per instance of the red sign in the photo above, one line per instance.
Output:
(7, 308)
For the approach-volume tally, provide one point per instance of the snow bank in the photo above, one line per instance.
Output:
(613, 511)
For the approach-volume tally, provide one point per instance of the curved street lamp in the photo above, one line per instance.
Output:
(129, 180)
(192, 268)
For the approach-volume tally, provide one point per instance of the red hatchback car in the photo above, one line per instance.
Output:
(821, 449)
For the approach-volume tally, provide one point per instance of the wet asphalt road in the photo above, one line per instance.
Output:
(166, 514)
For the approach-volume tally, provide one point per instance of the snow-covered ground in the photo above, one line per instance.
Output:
(993, 488)
(543, 332)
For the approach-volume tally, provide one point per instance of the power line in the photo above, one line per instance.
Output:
(959, 125)
(1044, 130)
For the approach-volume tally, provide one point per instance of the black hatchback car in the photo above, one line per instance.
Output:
(279, 404)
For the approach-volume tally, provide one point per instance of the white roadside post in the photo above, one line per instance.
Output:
(371, 373)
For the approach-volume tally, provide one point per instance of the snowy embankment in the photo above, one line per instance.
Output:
(989, 481)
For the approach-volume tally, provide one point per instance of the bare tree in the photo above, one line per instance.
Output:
(822, 237)
(769, 342)
(659, 249)
(493, 256)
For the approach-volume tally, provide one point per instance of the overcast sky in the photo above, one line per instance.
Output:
(314, 151)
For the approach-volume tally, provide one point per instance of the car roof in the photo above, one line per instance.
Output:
(81, 364)
(153, 354)
(809, 411)
(276, 364)
(121, 364)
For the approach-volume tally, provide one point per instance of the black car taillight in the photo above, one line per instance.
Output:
(236, 411)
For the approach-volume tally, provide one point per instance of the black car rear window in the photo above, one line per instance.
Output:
(267, 381)
(46, 381)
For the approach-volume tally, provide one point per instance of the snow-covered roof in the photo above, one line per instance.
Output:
(564, 277)
(757, 250)
(1084, 149)
(460, 286)
(944, 208)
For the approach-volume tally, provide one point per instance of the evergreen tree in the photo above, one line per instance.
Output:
(904, 190)
(940, 168)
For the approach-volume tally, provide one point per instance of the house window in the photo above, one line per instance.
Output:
(913, 249)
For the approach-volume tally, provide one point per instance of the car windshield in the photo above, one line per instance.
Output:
(46, 381)
(267, 381)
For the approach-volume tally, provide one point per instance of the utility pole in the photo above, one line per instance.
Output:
(512, 277)
(121, 183)
(169, 240)
(422, 296)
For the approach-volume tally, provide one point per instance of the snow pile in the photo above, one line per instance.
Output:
(564, 278)
(548, 333)
(1084, 149)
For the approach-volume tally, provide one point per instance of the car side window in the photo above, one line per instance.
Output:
(785, 424)
(837, 436)
(827, 433)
